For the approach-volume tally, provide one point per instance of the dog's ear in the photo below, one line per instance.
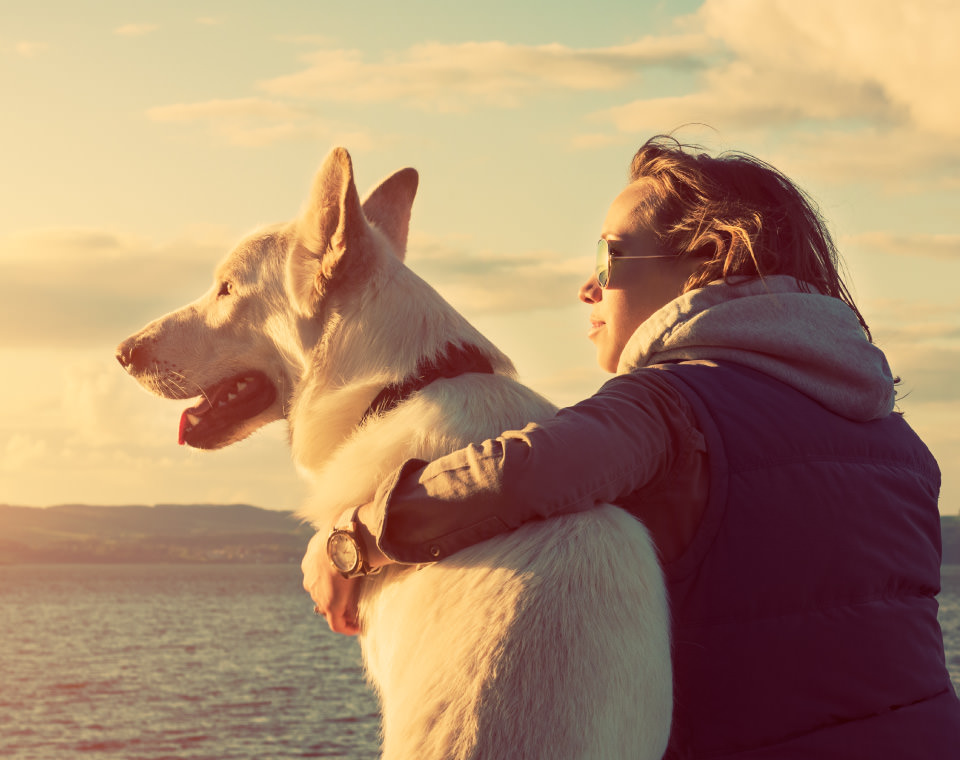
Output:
(330, 226)
(388, 207)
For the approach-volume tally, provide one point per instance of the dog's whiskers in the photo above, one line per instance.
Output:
(179, 384)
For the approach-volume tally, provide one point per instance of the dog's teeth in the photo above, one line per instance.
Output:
(232, 396)
(193, 419)
(241, 385)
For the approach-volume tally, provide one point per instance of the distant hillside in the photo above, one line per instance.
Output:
(164, 533)
(187, 533)
(950, 530)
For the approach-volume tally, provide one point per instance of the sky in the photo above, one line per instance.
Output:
(140, 140)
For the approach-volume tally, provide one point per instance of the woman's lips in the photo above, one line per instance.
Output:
(595, 327)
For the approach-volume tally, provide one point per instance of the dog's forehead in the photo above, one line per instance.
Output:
(265, 247)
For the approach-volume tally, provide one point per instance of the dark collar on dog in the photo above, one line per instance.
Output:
(455, 361)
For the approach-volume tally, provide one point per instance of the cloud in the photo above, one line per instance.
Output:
(922, 343)
(257, 122)
(22, 451)
(96, 436)
(97, 411)
(820, 60)
(901, 158)
(236, 109)
(52, 245)
(87, 287)
(431, 76)
(927, 373)
(851, 90)
(29, 49)
(304, 39)
(461, 77)
(485, 283)
(872, 76)
(594, 140)
(931, 246)
(135, 30)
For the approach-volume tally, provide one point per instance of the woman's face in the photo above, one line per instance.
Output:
(638, 287)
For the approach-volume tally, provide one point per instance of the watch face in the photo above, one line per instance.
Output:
(343, 552)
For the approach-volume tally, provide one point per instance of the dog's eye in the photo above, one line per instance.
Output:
(225, 289)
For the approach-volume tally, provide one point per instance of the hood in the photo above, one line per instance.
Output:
(810, 341)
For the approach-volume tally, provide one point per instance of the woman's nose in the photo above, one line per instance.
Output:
(590, 291)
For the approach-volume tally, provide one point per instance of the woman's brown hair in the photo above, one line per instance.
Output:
(744, 216)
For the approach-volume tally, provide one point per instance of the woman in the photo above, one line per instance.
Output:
(750, 425)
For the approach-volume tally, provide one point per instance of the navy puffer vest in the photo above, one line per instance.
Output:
(805, 623)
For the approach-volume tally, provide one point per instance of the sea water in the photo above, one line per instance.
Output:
(151, 662)
(175, 661)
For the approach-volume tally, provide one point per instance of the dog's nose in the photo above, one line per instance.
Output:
(125, 355)
(129, 352)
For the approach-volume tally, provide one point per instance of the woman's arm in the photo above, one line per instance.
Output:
(622, 440)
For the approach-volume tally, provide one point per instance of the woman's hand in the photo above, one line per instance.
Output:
(335, 596)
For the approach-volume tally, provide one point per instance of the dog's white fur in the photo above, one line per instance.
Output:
(548, 642)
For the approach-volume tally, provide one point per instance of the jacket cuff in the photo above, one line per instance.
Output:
(394, 547)
(396, 544)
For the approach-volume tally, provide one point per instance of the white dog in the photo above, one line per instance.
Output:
(549, 642)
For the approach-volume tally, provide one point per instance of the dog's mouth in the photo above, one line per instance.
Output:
(224, 408)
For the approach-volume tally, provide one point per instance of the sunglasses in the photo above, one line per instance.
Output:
(605, 259)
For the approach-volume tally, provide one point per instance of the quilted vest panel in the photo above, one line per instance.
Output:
(805, 618)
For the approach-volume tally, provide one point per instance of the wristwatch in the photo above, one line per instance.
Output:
(345, 549)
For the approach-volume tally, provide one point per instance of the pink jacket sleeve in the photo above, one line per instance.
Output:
(623, 441)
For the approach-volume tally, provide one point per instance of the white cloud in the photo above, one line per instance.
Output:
(87, 287)
(29, 49)
(872, 74)
(135, 30)
(933, 246)
(95, 409)
(100, 438)
(257, 122)
(928, 373)
(304, 39)
(901, 158)
(21, 451)
(922, 343)
(482, 282)
(464, 76)
(236, 109)
(910, 319)
(594, 140)
(828, 61)
(430, 76)
(42, 248)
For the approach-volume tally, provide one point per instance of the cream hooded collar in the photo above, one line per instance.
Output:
(810, 341)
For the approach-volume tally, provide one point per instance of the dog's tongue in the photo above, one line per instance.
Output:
(183, 426)
(195, 412)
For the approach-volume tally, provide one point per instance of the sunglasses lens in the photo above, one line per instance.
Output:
(603, 259)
